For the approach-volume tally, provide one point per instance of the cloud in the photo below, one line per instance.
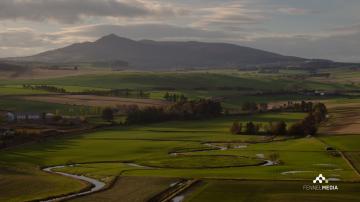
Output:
(71, 11)
(232, 16)
(293, 11)
(21, 37)
(266, 24)
(153, 31)
(339, 45)
(19, 51)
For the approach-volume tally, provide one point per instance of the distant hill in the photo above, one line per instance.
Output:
(4, 66)
(153, 55)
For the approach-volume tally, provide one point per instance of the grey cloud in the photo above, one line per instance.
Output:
(341, 44)
(336, 47)
(70, 11)
(233, 16)
(15, 40)
(21, 37)
(144, 31)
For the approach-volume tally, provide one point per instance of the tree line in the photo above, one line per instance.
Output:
(45, 88)
(290, 106)
(185, 110)
(317, 113)
(174, 97)
(118, 93)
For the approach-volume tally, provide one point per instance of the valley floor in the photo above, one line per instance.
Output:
(137, 163)
(184, 160)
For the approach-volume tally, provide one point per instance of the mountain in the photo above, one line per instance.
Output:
(153, 55)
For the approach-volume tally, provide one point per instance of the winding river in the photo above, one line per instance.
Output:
(96, 185)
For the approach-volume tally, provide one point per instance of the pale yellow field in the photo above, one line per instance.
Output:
(343, 119)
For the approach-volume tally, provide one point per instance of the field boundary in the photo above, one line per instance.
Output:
(350, 163)
(170, 193)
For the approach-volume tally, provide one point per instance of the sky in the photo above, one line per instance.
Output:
(327, 29)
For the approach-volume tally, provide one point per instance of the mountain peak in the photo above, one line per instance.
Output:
(112, 38)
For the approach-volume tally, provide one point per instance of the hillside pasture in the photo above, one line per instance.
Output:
(20, 105)
(8, 90)
(182, 81)
(50, 73)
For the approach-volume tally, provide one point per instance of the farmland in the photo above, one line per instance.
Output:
(233, 87)
(95, 101)
(16, 104)
(349, 113)
(151, 145)
(137, 162)
(179, 101)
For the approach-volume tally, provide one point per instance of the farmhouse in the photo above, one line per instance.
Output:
(25, 116)
(6, 132)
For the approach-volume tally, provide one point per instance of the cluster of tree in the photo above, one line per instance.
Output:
(307, 126)
(173, 97)
(119, 93)
(108, 114)
(277, 128)
(111, 64)
(238, 88)
(45, 88)
(269, 71)
(253, 106)
(185, 110)
(303, 106)
(249, 128)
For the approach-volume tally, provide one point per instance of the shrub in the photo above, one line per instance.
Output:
(297, 129)
(108, 114)
(236, 128)
(279, 128)
(251, 128)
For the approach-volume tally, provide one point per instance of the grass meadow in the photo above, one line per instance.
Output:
(105, 154)
(228, 175)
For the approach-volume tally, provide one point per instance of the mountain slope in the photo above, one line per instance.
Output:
(148, 54)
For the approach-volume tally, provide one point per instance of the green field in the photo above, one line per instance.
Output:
(143, 160)
(18, 90)
(15, 181)
(233, 87)
(105, 155)
(344, 143)
(131, 189)
(181, 81)
(354, 159)
(20, 105)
